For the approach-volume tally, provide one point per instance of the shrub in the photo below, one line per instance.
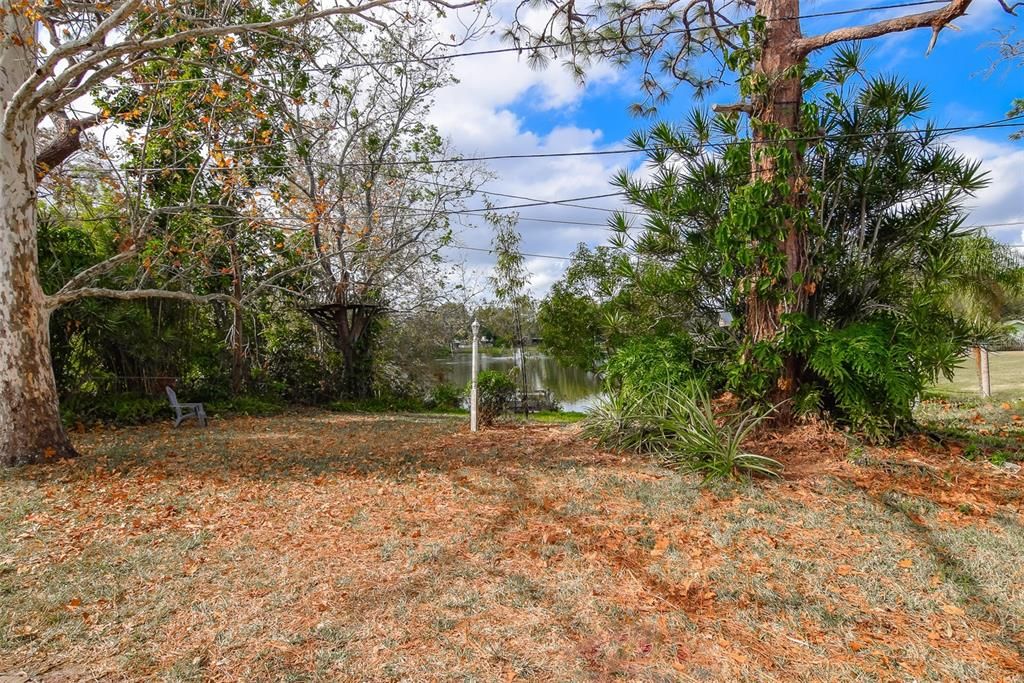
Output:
(647, 362)
(245, 405)
(623, 419)
(445, 396)
(116, 409)
(678, 424)
(869, 373)
(495, 391)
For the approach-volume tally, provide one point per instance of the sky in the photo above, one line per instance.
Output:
(502, 106)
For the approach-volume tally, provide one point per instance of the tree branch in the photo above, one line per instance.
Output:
(936, 19)
(67, 141)
(93, 272)
(62, 298)
(739, 108)
(1010, 9)
(36, 89)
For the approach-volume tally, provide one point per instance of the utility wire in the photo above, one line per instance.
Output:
(1014, 121)
(463, 247)
(1008, 122)
(521, 253)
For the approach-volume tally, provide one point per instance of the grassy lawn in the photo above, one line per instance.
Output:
(1006, 370)
(320, 547)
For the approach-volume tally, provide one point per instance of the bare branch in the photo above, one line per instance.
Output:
(1010, 9)
(61, 299)
(38, 88)
(93, 272)
(936, 19)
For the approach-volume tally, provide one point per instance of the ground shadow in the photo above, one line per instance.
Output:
(306, 446)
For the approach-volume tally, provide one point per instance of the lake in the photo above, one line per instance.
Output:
(574, 389)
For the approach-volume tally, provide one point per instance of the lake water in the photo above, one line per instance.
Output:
(573, 389)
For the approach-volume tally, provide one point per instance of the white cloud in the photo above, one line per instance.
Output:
(485, 113)
(1000, 202)
(489, 110)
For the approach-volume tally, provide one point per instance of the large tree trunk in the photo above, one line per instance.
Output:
(30, 426)
(779, 110)
(357, 382)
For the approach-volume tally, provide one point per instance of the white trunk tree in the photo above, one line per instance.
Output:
(52, 54)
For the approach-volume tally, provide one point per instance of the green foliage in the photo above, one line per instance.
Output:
(643, 363)
(871, 372)
(294, 369)
(894, 288)
(126, 409)
(114, 409)
(446, 396)
(571, 319)
(621, 420)
(245, 405)
(495, 392)
(570, 327)
(678, 423)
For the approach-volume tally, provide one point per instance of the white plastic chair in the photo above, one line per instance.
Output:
(183, 411)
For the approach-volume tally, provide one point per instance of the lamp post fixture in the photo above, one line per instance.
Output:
(476, 366)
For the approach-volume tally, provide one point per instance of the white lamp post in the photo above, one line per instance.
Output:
(476, 366)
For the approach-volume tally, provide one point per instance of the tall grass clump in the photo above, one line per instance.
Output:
(678, 424)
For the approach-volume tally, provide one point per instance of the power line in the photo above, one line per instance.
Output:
(522, 253)
(571, 202)
(569, 258)
(998, 225)
(1008, 122)
(539, 202)
(565, 203)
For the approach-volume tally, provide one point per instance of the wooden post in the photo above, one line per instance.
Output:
(986, 379)
(476, 367)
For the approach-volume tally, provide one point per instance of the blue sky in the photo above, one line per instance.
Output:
(502, 106)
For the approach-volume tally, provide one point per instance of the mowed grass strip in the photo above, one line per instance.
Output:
(1006, 375)
(326, 547)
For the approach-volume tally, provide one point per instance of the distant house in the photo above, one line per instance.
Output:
(465, 344)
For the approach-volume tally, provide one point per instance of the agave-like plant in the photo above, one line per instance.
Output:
(679, 425)
(711, 443)
(624, 420)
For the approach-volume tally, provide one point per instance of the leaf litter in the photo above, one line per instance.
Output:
(327, 547)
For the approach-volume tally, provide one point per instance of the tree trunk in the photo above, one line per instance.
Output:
(30, 426)
(238, 359)
(357, 382)
(778, 110)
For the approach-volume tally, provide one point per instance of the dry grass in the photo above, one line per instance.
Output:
(326, 547)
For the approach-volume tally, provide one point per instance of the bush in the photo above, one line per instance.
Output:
(495, 391)
(678, 423)
(245, 405)
(445, 396)
(869, 373)
(644, 363)
(117, 409)
(623, 420)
